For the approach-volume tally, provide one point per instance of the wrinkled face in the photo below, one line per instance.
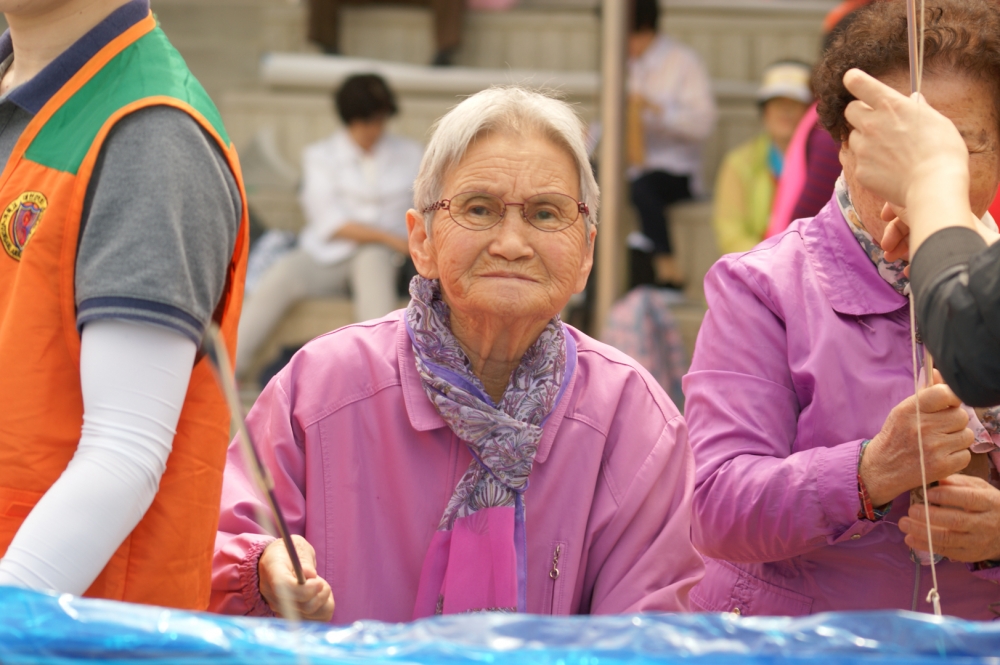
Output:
(512, 270)
(781, 116)
(967, 102)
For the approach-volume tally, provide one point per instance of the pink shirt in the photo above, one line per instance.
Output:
(364, 467)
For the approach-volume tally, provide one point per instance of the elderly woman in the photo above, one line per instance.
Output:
(800, 397)
(472, 452)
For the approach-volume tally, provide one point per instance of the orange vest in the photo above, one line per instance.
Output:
(166, 560)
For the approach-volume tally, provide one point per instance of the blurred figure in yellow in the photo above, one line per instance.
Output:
(747, 178)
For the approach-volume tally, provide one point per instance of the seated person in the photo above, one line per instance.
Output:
(801, 397)
(670, 114)
(356, 187)
(324, 24)
(472, 452)
(745, 185)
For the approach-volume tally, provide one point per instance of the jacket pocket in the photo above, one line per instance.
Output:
(727, 588)
(554, 602)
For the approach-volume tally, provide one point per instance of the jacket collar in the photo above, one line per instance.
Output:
(424, 417)
(33, 95)
(846, 275)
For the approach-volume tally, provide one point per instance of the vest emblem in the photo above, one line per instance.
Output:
(19, 222)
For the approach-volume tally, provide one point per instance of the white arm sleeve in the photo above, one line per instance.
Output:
(134, 378)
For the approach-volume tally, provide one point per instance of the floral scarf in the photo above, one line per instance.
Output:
(984, 423)
(890, 272)
(477, 558)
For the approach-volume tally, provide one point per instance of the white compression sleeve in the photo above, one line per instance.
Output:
(134, 378)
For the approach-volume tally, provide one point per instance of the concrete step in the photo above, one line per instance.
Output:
(306, 320)
(736, 39)
(223, 40)
(301, 115)
(689, 317)
(692, 234)
(561, 39)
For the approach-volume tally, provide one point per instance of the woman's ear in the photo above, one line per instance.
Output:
(588, 260)
(845, 154)
(421, 246)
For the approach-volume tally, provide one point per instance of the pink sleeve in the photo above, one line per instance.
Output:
(242, 537)
(643, 560)
(755, 499)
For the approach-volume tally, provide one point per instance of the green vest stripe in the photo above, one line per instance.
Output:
(147, 68)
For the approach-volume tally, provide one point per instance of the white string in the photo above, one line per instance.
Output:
(933, 597)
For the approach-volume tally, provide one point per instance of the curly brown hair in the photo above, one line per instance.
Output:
(960, 35)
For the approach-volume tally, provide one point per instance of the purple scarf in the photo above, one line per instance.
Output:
(477, 558)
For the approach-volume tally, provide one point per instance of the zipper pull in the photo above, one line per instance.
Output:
(554, 573)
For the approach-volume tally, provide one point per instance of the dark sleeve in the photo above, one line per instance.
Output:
(822, 170)
(956, 284)
(159, 224)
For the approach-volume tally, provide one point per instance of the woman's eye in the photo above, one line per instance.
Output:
(545, 215)
(478, 211)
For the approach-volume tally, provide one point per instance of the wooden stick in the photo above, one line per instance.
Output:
(216, 353)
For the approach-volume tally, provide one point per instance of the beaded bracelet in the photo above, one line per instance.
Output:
(868, 511)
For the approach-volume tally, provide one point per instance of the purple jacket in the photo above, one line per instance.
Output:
(364, 467)
(803, 353)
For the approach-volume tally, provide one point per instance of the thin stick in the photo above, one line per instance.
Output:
(915, 38)
(216, 353)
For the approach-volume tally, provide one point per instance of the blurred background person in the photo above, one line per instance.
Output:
(745, 186)
(324, 24)
(671, 112)
(357, 185)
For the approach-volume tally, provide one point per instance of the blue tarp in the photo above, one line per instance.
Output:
(40, 628)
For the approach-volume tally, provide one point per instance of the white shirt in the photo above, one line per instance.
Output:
(341, 183)
(671, 76)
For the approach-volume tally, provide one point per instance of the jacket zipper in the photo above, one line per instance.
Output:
(554, 576)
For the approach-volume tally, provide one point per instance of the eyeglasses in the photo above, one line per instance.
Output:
(479, 211)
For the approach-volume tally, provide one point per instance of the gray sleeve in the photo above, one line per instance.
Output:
(159, 225)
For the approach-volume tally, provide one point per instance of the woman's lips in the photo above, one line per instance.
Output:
(508, 275)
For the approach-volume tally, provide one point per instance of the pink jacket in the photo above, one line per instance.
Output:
(364, 467)
(803, 353)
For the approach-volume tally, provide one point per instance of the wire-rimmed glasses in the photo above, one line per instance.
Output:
(479, 211)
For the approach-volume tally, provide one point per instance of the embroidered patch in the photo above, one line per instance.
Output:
(19, 222)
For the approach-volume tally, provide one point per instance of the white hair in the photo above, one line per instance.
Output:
(503, 109)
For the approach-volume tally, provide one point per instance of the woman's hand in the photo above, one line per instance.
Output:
(896, 237)
(965, 520)
(891, 463)
(313, 600)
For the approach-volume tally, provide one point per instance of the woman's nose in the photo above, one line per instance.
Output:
(511, 240)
